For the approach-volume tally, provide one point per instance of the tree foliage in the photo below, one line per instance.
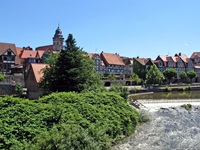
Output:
(1, 77)
(183, 75)
(123, 91)
(154, 76)
(135, 78)
(170, 74)
(65, 121)
(191, 74)
(19, 88)
(71, 70)
(111, 77)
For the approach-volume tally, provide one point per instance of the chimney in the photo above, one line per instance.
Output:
(179, 54)
(137, 57)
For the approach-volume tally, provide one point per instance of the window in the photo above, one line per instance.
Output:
(9, 53)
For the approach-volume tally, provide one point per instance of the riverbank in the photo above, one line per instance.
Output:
(172, 127)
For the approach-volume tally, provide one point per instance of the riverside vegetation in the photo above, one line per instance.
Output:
(65, 120)
(76, 113)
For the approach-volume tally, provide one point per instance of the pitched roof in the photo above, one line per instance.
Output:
(45, 48)
(37, 70)
(143, 61)
(40, 53)
(195, 54)
(19, 53)
(112, 59)
(5, 46)
(28, 54)
(182, 56)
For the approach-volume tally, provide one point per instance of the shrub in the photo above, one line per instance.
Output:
(1, 77)
(143, 117)
(187, 106)
(123, 91)
(65, 121)
(19, 88)
(168, 89)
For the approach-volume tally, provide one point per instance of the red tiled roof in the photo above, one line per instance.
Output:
(195, 54)
(28, 54)
(183, 57)
(112, 59)
(37, 70)
(40, 53)
(164, 58)
(143, 61)
(19, 53)
(45, 48)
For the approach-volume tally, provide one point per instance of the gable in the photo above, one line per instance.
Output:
(9, 52)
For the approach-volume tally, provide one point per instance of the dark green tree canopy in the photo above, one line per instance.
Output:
(182, 75)
(191, 74)
(170, 73)
(72, 70)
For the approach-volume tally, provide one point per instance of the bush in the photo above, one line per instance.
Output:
(187, 106)
(65, 121)
(19, 88)
(1, 77)
(168, 89)
(123, 91)
(143, 117)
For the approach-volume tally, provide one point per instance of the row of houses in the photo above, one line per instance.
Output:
(28, 62)
(16, 59)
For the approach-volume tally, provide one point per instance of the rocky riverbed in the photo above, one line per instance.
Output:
(171, 128)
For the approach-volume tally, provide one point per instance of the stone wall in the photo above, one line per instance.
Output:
(6, 89)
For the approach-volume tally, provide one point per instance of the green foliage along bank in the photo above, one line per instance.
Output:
(65, 121)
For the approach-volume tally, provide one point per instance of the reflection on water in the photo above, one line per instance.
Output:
(169, 95)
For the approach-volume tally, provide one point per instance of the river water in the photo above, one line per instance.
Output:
(172, 127)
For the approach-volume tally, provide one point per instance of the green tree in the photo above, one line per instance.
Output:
(191, 74)
(182, 76)
(19, 88)
(154, 76)
(1, 77)
(170, 74)
(72, 70)
(111, 77)
(51, 59)
(135, 78)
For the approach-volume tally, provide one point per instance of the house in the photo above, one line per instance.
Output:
(186, 65)
(99, 65)
(195, 58)
(113, 64)
(128, 68)
(34, 76)
(8, 57)
(141, 66)
(179, 62)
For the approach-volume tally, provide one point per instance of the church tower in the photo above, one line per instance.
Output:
(58, 40)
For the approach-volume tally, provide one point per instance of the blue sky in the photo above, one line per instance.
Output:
(144, 28)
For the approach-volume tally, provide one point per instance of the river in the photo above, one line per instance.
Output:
(172, 127)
